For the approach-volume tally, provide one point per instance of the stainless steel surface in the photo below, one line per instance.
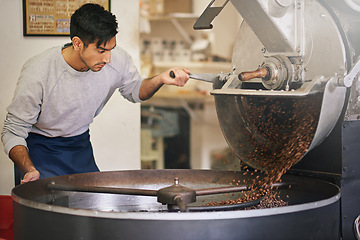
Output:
(83, 190)
(174, 195)
(264, 130)
(37, 195)
(207, 77)
(69, 215)
(348, 80)
(279, 33)
(309, 47)
(264, 124)
(353, 80)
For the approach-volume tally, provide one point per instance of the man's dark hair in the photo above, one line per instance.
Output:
(91, 22)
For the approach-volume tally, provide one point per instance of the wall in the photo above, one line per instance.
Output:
(115, 133)
(206, 136)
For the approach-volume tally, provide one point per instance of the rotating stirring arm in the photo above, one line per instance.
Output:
(174, 195)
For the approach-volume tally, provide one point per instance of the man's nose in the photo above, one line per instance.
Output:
(107, 57)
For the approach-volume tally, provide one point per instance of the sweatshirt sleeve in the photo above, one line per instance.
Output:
(23, 110)
(130, 82)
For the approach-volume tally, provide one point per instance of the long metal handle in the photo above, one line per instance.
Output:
(126, 191)
(209, 191)
(146, 192)
(231, 189)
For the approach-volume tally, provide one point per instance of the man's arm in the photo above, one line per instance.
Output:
(20, 156)
(151, 85)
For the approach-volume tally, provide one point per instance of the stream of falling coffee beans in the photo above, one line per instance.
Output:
(280, 131)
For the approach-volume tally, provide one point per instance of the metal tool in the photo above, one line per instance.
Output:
(206, 77)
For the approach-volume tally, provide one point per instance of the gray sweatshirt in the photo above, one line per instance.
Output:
(53, 99)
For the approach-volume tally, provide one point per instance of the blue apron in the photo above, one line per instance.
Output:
(59, 155)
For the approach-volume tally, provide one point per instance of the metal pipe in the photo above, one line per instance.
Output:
(126, 191)
(209, 191)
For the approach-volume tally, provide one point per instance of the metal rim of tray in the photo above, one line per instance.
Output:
(191, 215)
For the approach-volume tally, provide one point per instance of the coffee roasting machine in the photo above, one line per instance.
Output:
(290, 104)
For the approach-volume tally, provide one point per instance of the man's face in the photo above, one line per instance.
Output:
(95, 58)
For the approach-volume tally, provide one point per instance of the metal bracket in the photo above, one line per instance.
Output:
(348, 80)
(204, 21)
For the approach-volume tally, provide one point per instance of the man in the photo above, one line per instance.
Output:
(60, 91)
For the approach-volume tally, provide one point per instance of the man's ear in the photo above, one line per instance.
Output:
(77, 43)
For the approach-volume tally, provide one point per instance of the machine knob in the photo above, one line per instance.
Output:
(259, 73)
(276, 72)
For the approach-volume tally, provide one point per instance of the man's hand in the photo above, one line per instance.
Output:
(150, 85)
(179, 78)
(20, 156)
(31, 176)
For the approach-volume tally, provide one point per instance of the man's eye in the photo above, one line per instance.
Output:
(101, 51)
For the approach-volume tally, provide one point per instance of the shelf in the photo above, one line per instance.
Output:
(194, 91)
(195, 67)
(174, 18)
(177, 16)
(179, 99)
